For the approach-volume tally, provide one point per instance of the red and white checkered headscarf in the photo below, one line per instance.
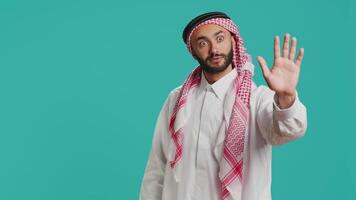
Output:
(231, 165)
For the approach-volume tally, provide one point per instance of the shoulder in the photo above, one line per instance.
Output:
(173, 94)
(261, 93)
(171, 100)
(260, 90)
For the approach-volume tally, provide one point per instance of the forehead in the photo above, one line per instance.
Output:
(208, 31)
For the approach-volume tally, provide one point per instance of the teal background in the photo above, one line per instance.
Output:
(82, 82)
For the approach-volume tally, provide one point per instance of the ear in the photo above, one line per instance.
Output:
(233, 41)
(193, 54)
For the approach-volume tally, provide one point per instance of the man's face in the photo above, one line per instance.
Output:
(212, 47)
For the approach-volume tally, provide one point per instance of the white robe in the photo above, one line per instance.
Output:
(204, 134)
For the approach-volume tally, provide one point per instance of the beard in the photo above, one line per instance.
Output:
(217, 68)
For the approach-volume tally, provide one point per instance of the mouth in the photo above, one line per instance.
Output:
(215, 59)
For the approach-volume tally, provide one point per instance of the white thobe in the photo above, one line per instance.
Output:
(204, 133)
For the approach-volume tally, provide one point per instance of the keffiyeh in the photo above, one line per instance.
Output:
(231, 164)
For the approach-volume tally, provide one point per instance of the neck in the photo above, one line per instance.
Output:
(212, 78)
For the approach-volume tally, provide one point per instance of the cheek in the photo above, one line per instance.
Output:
(201, 53)
(228, 47)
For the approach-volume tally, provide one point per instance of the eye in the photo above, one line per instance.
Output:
(202, 44)
(220, 38)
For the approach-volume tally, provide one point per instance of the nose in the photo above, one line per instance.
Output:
(214, 49)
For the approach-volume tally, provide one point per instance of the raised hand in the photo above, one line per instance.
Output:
(284, 75)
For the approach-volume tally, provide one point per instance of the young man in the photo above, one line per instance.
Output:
(214, 135)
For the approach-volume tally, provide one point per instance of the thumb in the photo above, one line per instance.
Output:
(263, 66)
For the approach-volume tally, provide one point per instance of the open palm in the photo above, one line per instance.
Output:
(284, 74)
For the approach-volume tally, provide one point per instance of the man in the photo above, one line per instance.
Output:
(214, 135)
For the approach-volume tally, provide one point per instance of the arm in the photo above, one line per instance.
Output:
(281, 116)
(152, 183)
(279, 126)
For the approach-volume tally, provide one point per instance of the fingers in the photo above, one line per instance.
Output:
(293, 48)
(277, 53)
(300, 57)
(263, 66)
(285, 50)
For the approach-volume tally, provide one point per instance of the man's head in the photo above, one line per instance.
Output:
(214, 41)
(212, 46)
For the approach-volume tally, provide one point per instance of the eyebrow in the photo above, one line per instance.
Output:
(203, 37)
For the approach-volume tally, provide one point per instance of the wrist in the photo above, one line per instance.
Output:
(285, 100)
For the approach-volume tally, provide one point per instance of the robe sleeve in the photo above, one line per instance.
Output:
(279, 126)
(152, 183)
